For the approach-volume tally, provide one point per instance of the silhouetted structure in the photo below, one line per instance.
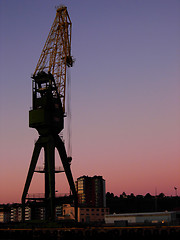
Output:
(47, 115)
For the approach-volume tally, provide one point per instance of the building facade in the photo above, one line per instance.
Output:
(4, 214)
(91, 191)
(150, 217)
(85, 214)
(33, 211)
(16, 213)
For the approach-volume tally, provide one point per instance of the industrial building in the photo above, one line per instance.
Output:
(144, 218)
(91, 191)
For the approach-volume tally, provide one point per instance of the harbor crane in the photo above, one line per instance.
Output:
(48, 109)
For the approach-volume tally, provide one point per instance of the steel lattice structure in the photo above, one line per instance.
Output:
(56, 54)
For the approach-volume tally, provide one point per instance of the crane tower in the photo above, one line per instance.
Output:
(48, 109)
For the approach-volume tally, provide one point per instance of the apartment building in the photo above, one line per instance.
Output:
(4, 214)
(16, 213)
(91, 191)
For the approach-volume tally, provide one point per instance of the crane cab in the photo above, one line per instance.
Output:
(47, 115)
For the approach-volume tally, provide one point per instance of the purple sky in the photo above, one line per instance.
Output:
(125, 93)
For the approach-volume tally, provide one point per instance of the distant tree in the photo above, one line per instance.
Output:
(131, 196)
(140, 197)
(124, 195)
(109, 195)
(148, 196)
(161, 195)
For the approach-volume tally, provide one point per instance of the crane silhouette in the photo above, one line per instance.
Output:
(48, 110)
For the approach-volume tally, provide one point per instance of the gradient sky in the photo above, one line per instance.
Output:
(125, 93)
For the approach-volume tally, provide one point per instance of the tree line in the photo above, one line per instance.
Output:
(139, 203)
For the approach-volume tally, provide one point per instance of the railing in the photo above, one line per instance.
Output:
(41, 169)
(42, 195)
(35, 195)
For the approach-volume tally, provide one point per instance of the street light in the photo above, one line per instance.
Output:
(175, 188)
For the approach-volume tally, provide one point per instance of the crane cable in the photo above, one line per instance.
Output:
(69, 130)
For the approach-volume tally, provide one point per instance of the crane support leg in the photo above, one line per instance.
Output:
(49, 143)
(66, 164)
(33, 163)
(49, 150)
